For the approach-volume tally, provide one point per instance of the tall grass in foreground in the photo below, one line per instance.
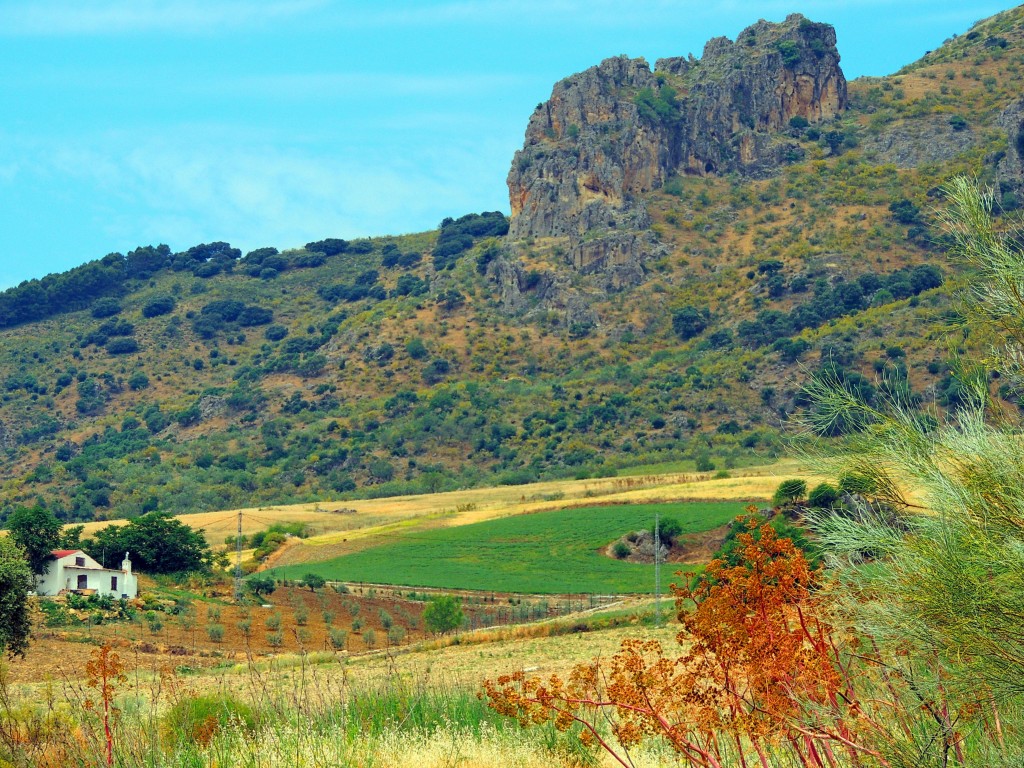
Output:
(303, 715)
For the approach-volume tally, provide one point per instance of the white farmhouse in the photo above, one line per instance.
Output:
(71, 570)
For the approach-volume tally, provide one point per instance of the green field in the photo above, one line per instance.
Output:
(545, 552)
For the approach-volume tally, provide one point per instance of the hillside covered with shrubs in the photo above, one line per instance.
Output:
(207, 378)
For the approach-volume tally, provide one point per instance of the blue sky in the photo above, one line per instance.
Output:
(282, 121)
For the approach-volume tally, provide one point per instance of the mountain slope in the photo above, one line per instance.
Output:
(203, 380)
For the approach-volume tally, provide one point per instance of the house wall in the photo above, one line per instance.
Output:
(63, 574)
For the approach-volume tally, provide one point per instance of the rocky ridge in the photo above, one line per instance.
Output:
(618, 130)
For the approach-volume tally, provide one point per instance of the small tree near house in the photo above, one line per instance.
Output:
(15, 582)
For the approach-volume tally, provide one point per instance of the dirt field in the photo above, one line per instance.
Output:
(373, 619)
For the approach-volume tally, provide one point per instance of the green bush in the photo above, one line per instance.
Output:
(668, 529)
(314, 581)
(339, 639)
(215, 632)
(704, 463)
(823, 496)
(689, 321)
(620, 550)
(855, 482)
(138, 381)
(197, 720)
(416, 349)
(161, 305)
(122, 345)
(790, 52)
(442, 614)
(275, 333)
(105, 308)
(396, 635)
(261, 585)
(789, 491)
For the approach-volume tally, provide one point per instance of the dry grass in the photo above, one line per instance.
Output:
(408, 513)
(457, 662)
(333, 522)
(442, 748)
(343, 527)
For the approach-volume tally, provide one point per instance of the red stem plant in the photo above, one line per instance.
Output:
(105, 672)
(762, 670)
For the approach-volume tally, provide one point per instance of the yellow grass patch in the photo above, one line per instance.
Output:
(346, 526)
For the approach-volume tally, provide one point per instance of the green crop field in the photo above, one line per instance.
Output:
(547, 552)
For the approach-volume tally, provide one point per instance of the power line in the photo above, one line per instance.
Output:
(217, 522)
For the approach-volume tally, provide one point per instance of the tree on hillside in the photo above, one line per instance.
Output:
(158, 543)
(689, 321)
(37, 532)
(442, 614)
(668, 529)
(15, 582)
(314, 581)
(261, 585)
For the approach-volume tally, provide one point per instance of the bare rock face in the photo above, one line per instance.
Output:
(211, 406)
(585, 149)
(911, 143)
(615, 131)
(1010, 170)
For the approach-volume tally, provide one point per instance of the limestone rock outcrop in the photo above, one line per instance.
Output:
(618, 130)
(1010, 169)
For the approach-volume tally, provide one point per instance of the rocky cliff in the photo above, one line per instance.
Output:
(615, 131)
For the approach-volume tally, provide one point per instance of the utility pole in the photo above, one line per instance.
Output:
(657, 573)
(238, 559)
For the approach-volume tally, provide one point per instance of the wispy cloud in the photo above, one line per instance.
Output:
(263, 195)
(372, 84)
(315, 86)
(117, 17)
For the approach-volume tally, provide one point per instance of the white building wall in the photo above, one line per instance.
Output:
(64, 574)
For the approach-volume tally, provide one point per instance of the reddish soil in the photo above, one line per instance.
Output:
(58, 653)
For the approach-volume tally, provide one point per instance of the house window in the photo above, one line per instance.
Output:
(80, 562)
(83, 581)
(113, 583)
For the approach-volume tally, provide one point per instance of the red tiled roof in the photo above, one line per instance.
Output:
(58, 553)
